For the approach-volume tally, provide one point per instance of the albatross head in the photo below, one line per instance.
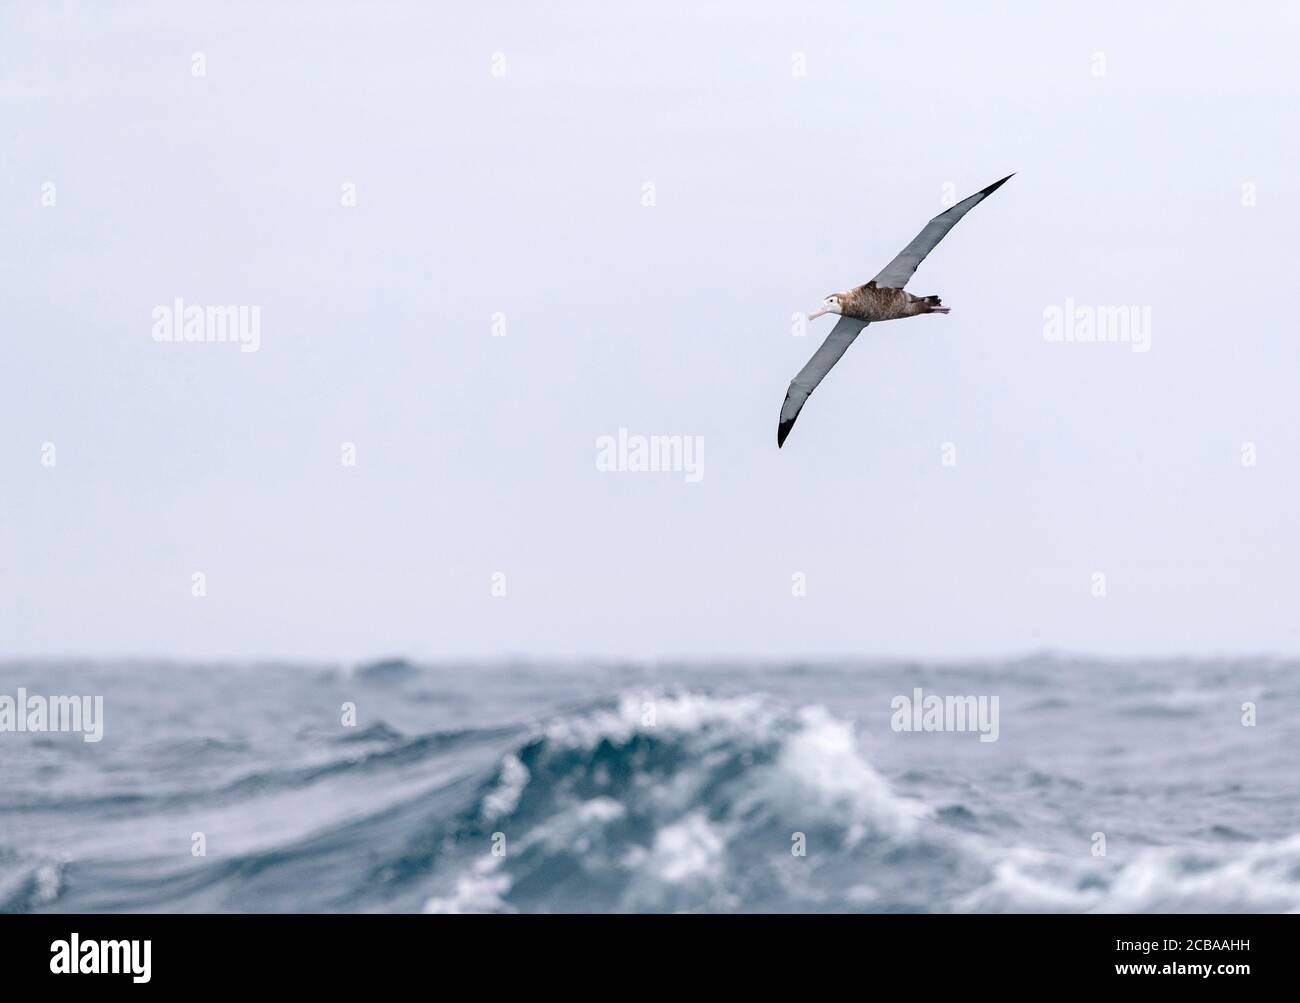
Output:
(831, 304)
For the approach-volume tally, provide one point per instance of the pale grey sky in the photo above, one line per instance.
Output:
(1141, 135)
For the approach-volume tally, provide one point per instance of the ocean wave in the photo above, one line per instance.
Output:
(372, 751)
(676, 801)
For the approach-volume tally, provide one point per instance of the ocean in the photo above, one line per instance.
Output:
(1063, 784)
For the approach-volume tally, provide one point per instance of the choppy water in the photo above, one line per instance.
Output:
(655, 788)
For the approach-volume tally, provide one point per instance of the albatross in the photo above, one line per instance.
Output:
(883, 298)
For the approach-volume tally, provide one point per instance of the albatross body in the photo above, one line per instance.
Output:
(883, 298)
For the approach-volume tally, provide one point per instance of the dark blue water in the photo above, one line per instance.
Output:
(655, 788)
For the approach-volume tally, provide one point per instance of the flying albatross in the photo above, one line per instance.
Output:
(882, 298)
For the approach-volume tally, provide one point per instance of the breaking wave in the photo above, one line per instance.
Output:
(679, 802)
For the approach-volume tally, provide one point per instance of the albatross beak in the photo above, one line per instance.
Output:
(817, 313)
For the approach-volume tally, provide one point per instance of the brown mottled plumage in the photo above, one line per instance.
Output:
(876, 303)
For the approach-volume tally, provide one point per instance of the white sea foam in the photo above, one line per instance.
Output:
(651, 711)
(823, 758)
(47, 881)
(1256, 877)
(481, 890)
(504, 798)
(688, 850)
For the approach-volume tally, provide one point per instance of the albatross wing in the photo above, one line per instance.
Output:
(895, 274)
(835, 345)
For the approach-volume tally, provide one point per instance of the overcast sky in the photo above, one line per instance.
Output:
(500, 159)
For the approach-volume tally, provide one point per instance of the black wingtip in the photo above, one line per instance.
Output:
(782, 430)
(998, 184)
